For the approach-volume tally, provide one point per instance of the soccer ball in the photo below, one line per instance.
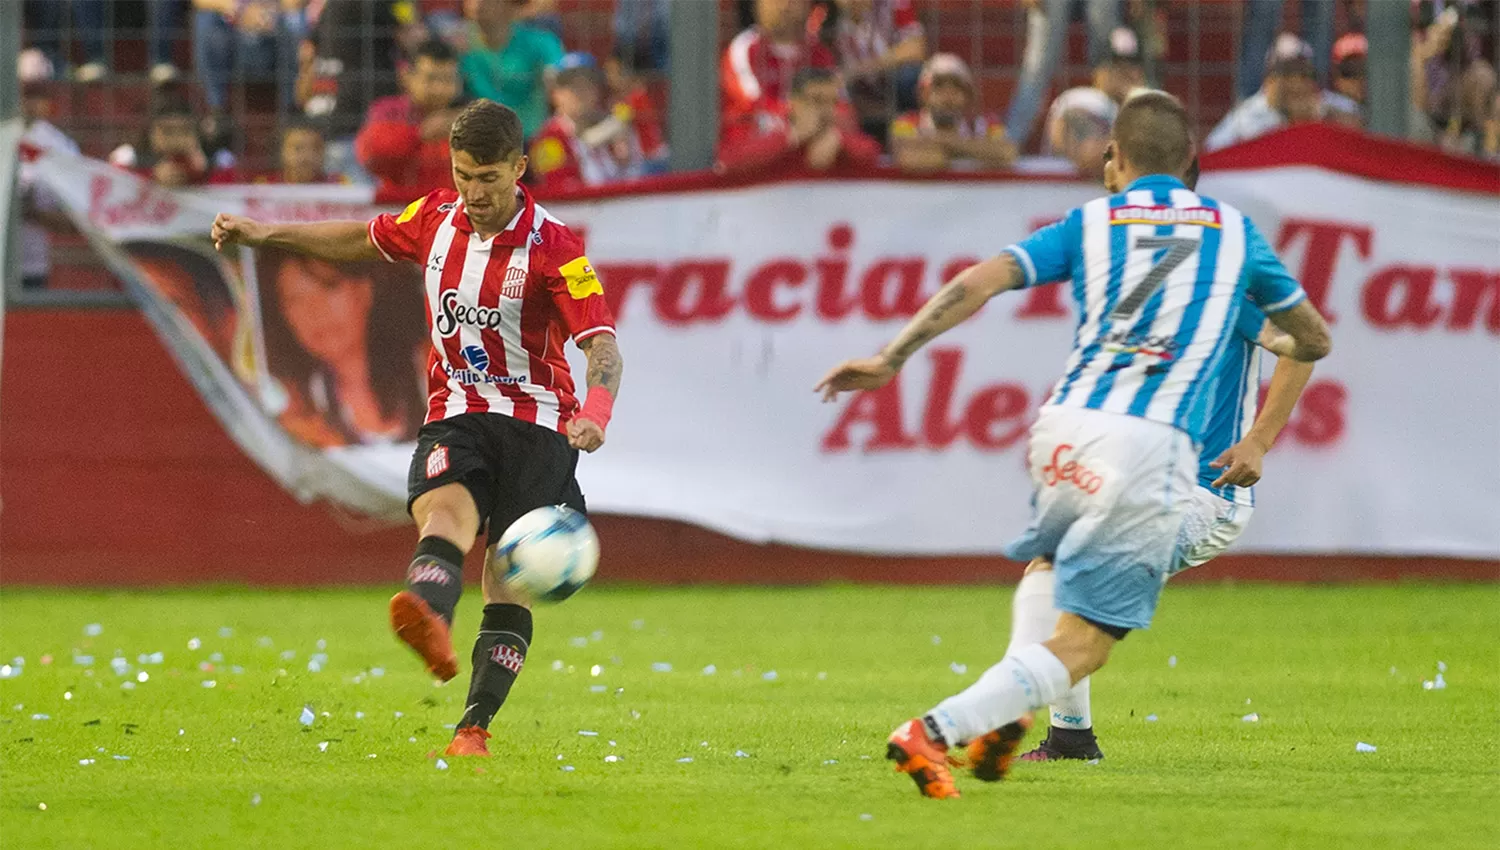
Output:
(548, 554)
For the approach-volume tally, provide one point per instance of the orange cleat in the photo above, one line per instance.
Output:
(469, 741)
(921, 758)
(990, 755)
(420, 628)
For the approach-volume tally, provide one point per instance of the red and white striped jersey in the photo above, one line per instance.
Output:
(888, 23)
(756, 72)
(498, 309)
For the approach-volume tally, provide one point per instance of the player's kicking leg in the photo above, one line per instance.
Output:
(422, 614)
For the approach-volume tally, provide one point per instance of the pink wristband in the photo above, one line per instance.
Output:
(598, 406)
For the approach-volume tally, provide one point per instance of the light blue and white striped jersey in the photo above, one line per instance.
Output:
(1159, 274)
(1235, 403)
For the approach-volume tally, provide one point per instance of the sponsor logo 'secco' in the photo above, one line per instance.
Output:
(451, 314)
(1070, 471)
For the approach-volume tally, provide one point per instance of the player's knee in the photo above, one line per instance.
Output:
(1082, 646)
(494, 587)
(1038, 565)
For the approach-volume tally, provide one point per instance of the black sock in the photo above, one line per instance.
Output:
(504, 637)
(436, 575)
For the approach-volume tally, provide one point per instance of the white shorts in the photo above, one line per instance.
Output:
(1107, 508)
(1210, 523)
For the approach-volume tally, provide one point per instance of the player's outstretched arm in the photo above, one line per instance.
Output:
(1309, 333)
(337, 241)
(586, 431)
(1242, 461)
(959, 299)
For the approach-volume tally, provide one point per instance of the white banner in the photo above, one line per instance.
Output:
(732, 302)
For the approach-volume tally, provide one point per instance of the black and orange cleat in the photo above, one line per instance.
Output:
(991, 754)
(1066, 745)
(468, 741)
(420, 628)
(917, 755)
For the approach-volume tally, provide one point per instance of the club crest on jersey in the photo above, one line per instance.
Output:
(452, 313)
(514, 284)
(437, 461)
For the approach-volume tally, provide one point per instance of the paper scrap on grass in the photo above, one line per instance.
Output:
(307, 717)
(1362, 747)
(661, 667)
(710, 670)
(1252, 717)
(93, 629)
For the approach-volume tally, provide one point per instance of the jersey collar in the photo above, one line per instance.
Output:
(515, 233)
(1152, 181)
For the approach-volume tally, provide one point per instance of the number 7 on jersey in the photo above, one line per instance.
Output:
(1178, 249)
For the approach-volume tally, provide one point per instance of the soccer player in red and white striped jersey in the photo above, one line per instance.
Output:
(507, 284)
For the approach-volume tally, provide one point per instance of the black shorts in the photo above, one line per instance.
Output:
(510, 467)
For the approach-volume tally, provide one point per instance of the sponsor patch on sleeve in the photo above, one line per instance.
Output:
(410, 212)
(581, 280)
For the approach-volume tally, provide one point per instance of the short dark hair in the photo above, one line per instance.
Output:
(812, 76)
(1190, 179)
(1153, 132)
(435, 49)
(488, 131)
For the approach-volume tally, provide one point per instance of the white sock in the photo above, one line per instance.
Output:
(1022, 682)
(1033, 617)
(1072, 710)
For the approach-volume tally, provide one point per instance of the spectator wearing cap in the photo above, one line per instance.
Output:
(1259, 33)
(404, 141)
(810, 136)
(1350, 53)
(509, 61)
(1079, 120)
(759, 65)
(1289, 95)
(948, 129)
(880, 46)
(585, 143)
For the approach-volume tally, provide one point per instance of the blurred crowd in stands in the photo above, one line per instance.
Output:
(366, 90)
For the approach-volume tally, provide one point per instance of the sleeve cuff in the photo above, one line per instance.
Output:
(1286, 303)
(591, 332)
(1024, 259)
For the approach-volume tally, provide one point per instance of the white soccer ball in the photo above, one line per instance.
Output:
(548, 554)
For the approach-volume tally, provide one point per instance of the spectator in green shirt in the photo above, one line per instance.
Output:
(508, 62)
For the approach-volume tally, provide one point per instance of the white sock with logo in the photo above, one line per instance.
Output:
(1071, 711)
(1022, 682)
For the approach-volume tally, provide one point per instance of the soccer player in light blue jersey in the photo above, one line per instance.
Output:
(1160, 275)
(1234, 445)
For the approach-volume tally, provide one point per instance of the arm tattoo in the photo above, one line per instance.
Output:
(925, 328)
(605, 366)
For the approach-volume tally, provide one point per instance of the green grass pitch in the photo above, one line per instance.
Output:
(741, 757)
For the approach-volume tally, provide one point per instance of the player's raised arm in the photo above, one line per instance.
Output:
(338, 241)
(959, 299)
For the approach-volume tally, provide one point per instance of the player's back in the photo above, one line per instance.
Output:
(1158, 273)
